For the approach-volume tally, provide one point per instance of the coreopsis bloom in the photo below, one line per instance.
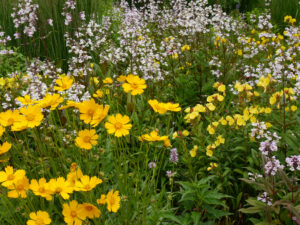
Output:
(121, 78)
(8, 177)
(157, 106)
(98, 94)
(63, 83)
(69, 105)
(2, 130)
(90, 211)
(73, 176)
(134, 85)
(99, 115)
(86, 139)
(118, 125)
(32, 117)
(60, 186)
(113, 201)
(108, 80)
(26, 100)
(87, 183)
(73, 214)
(174, 107)
(51, 101)
(5, 147)
(102, 200)
(8, 117)
(41, 188)
(153, 137)
(39, 218)
(91, 112)
(19, 188)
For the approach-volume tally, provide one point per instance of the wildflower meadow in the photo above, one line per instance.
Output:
(149, 112)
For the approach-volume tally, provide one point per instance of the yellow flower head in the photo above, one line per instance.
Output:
(113, 201)
(154, 137)
(26, 100)
(32, 116)
(8, 177)
(174, 107)
(4, 147)
(86, 139)
(91, 112)
(87, 183)
(98, 94)
(210, 106)
(212, 166)
(39, 218)
(19, 188)
(157, 106)
(193, 152)
(121, 78)
(41, 188)
(134, 85)
(73, 213)
(8, 117)
(108, 80)
(51, 101)
(185, 48)
(118, 125)
(102, 200)
(63, 83)
(61, 187)
(90, 211)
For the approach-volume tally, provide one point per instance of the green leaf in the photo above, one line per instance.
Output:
(255, 209)
(171, 217)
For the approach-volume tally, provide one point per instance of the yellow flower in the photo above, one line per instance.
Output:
(73, 213)
(113, 201)
(210, 149)
(19, 188)
(157, 106)
(4, 147)
(154, 137)
(199, 108)
(220, 140)
(210, 106)
(240, 52)
(174, 107)
(230, 120)
(32, 116)
(60, 186)
(98, 94)
(87, 183)
(193, 152)
(121, 78)
(8, 117)
(215, 97)
(134, 85)
(8, 177)
(293, 108)
(74, 176)
(102, 200)
(185, 133)
(69, 105)
(90, 211)
(212, 165)
(94, 80)
(51, 101)
(41, 188)
(86, 139)
(63, 83)
(108, 80)
(26, 100)
(167, 143)
(264, 82)
(118, 125)
(91, 112)
(2, 81)
(39, 218)
(185, 48)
